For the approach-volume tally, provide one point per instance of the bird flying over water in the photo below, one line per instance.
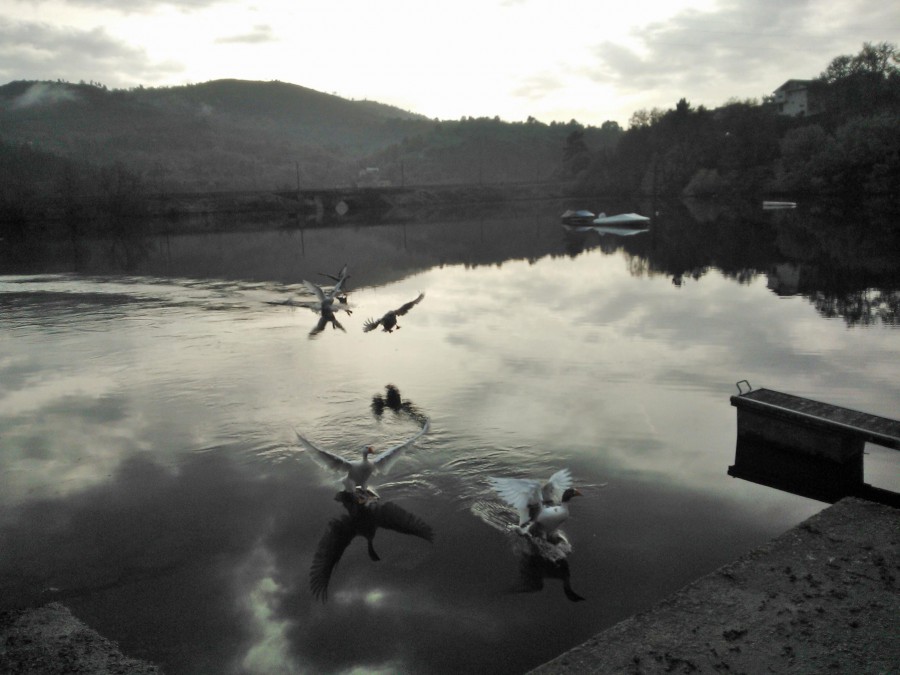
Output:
(389, 321)
(360, 470)
(339, 291)
(326, 304)
(541, 508)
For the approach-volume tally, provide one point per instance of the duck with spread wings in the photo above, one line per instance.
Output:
(389, 321)
(360, 470)
(542, 508)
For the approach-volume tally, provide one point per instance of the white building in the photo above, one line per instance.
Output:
(792, 98)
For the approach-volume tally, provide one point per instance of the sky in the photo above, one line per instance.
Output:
(554, 60)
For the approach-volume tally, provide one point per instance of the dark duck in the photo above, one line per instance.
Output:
(389, 321)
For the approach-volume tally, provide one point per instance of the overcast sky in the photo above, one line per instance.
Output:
(551, 59)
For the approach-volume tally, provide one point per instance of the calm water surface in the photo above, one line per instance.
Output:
(150, 479)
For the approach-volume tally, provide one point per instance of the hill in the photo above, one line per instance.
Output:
(224, 134)
(243, 135)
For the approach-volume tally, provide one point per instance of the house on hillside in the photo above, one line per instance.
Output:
(793, 98)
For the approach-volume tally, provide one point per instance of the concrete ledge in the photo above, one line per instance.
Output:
(49, 640)
(821, 598)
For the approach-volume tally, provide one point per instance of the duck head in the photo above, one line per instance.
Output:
(569, 493)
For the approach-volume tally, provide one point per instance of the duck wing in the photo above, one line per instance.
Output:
(328, 554)
(553, 489)
(409, 305)
(339, 277)
(371, 324)
(324, 458)
(384, 460)
(522, 494)
(315, 290)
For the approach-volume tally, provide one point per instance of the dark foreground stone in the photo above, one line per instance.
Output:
(821, 598)
(50, 641)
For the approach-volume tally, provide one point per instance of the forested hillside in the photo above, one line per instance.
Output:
(226, 134)
(850, 147)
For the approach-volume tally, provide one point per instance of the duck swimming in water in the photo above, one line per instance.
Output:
(389, 321)
(541, 508)
(360, 470)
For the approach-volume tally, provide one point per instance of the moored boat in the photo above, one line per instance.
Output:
(620, 219)
(579, 217)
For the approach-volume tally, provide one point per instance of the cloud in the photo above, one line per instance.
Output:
(742, 44)
(260, 33)
(537, 87)
(128, 6)
(39, 51)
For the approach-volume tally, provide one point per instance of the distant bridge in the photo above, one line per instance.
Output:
(343, 200)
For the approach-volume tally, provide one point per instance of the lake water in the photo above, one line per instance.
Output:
(150, 477)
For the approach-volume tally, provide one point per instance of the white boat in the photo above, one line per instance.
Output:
(769, 206)
(580, 217)
(621, 219)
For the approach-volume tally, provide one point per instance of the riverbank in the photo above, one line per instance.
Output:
(49, 640)
(821, 598)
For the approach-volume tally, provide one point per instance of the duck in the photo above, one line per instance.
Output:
(542, 508)
(340, 286)
(360, 470)
(326, 304)
(389, 321)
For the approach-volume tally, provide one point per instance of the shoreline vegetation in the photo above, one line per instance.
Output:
(93, 158)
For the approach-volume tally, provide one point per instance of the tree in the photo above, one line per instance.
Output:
(860, 84)
(576, 156)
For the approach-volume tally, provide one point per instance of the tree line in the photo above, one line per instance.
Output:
(850, 147)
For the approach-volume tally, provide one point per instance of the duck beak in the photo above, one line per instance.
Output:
(577, 493)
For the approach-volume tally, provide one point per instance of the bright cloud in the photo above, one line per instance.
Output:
(512, 58)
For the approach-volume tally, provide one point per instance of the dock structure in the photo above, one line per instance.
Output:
(808, 447)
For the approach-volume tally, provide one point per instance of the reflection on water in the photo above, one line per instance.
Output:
(842, 257)
(150, 477)
(363, 519)
(535, 567)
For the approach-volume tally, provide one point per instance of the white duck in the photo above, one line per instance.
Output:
(339, 292)
(326, 304)
(389, 321)
(541, 508)
(327, 300)
(360, 470)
